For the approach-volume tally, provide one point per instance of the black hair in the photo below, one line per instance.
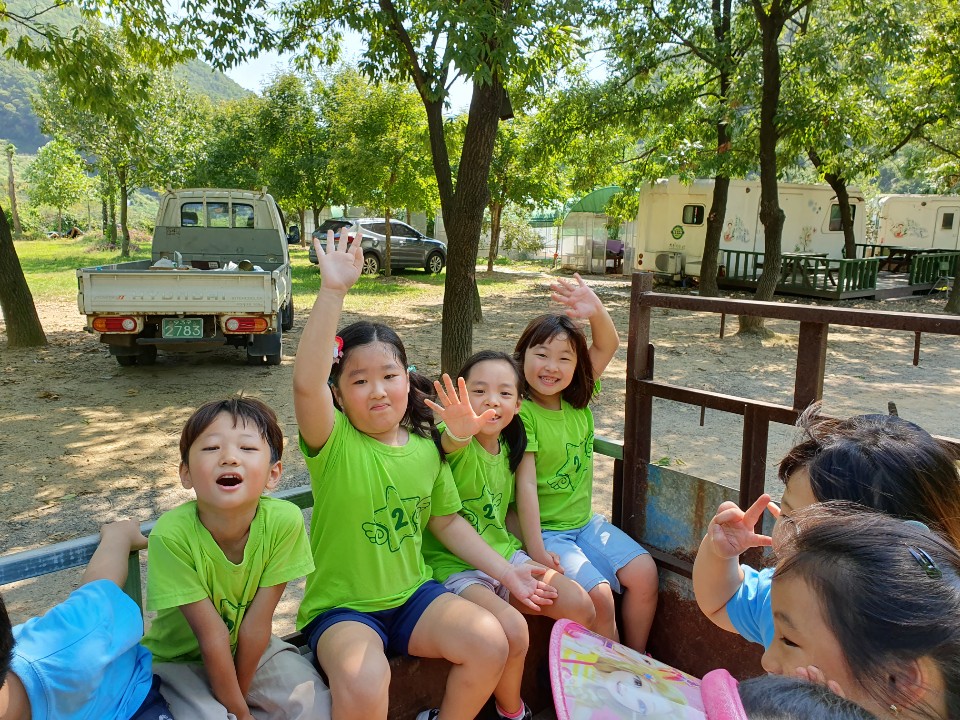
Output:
(418, 418)
(250, 410)
(883, 462)
(514, 434)
(774, 697)
(6, 643)
(889, 591)
(542, 330)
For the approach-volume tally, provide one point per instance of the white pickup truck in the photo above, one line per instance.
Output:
(219, 275)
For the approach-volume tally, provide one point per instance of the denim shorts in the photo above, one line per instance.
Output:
(153, 707)
(394, 626)
(593, 554)
(458, 582)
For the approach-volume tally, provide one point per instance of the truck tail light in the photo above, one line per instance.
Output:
(245, 324)
(116, 324)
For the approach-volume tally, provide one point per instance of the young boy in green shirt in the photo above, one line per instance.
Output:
(216, 569)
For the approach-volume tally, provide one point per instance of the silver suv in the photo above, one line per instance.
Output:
(408, 247)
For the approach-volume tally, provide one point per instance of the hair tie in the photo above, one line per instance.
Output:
(337, 349)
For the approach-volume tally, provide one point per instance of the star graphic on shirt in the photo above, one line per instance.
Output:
(397, 520)
(570, 474)
(481, 511)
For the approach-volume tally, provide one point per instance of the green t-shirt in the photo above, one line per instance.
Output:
(185, 564)
(371, 503)
(486, 488)
(563, 443)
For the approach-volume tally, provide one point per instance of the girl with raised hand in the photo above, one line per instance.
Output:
(870, 606)
(880, 461)
(555, 480)
(378, 481)
(484, 440)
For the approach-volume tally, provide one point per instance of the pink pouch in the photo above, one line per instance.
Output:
(721, 699)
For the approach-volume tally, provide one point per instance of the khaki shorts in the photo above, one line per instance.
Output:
(458, 582)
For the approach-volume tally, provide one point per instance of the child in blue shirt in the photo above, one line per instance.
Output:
(83, 659)
(878, 461)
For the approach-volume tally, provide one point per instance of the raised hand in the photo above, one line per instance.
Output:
(580, 299)
(340, 266)
(455, 410)
(813, 674)
(731, 530)
(523, 584)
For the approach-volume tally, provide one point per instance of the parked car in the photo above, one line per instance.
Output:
(408, 246)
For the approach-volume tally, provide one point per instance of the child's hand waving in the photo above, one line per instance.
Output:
(731, 531)
(522, 582)
(580, 299)
(340, 266)
(455, 410)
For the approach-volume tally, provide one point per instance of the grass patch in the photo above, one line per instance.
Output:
(50, 265)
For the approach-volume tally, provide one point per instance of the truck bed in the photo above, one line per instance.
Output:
(135, 288)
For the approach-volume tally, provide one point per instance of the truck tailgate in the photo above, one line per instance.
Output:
(179, 291)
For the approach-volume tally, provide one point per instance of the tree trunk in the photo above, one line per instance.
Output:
(12, 189)
(125, 244)
(113, 219)
(839, 186)
(463, 217)
(386, 240)
(316, 216)
(106, 217)
(496, 212)
(16, 302)
(302, 214)
(771, 215)
(709, 266)
(953, 300)
(477, 306)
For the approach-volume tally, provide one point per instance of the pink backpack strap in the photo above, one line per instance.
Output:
(721, 699)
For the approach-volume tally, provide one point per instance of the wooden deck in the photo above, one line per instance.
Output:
(811, 275)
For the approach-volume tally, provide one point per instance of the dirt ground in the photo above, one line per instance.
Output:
(85, 441)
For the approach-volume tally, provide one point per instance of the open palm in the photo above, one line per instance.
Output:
(580, 300)
(340, 264)
(455, 410)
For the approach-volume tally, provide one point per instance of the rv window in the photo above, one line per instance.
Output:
(947, 223)
(836, 224)
(242, 215)
(191, 214)
(693, 214)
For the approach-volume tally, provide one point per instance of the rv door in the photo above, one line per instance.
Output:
(945, 232)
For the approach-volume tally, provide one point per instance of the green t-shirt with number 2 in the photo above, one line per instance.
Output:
(371, 503)
(563, 443)
(486, 488)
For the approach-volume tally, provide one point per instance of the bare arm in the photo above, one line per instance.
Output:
(528, 512)
(461, 539)
(109, 561)
(214, 639)
(254, 634)
(339, 270)
(716, 571)
(582, 302)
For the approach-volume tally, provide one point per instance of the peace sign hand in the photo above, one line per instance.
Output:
(580, 299)
(340, 266)
(455, 410)
(731, 530)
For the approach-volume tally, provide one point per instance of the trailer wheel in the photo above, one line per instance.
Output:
(286, 316)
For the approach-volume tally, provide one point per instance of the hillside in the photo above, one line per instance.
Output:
(20, 126)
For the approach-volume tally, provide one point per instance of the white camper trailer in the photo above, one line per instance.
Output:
(672, 222)
(924, 221)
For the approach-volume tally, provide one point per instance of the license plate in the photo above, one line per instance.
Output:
(182, 328)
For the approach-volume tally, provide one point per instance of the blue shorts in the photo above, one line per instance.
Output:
(593, 554)
(394, 626)
(153, 707)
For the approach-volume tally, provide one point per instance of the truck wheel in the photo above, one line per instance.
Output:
(434, 263)
(148, 355)
(371, 264)
(286, 316)
(126, 360)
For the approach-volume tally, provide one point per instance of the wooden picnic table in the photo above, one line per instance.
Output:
(899, 257)
(801, 264)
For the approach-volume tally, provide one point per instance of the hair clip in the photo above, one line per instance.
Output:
(917, 524)
(411, 368)
(337, 349)
(926, 562)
